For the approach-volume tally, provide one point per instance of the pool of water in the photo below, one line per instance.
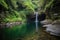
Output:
(18, 31)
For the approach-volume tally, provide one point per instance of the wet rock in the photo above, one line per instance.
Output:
(56, 22)
(52, 27)
(46, 25)
(12, 24)
(47, 21)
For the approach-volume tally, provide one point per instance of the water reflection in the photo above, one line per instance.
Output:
(18, 30)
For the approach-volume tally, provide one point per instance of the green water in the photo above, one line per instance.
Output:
(18, 31)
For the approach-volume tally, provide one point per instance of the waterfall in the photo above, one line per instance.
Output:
(36, 21)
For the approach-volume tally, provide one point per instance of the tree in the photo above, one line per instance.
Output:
(16, 8)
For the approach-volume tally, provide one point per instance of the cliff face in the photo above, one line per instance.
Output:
(32, 17)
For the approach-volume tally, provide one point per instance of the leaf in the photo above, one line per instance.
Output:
(2, 2)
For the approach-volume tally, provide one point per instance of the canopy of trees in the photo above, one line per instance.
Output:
(16, 10)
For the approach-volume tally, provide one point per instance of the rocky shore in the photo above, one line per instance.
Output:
(52, 27)
(9, 24)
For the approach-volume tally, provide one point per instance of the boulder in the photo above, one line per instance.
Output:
(53, 29)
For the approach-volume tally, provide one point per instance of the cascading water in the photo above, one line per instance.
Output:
(36, 21)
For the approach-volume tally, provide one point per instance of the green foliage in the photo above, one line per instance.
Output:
(13, 13)
(2, 2)
(30, 5)
(48, 4)
(18, 9)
